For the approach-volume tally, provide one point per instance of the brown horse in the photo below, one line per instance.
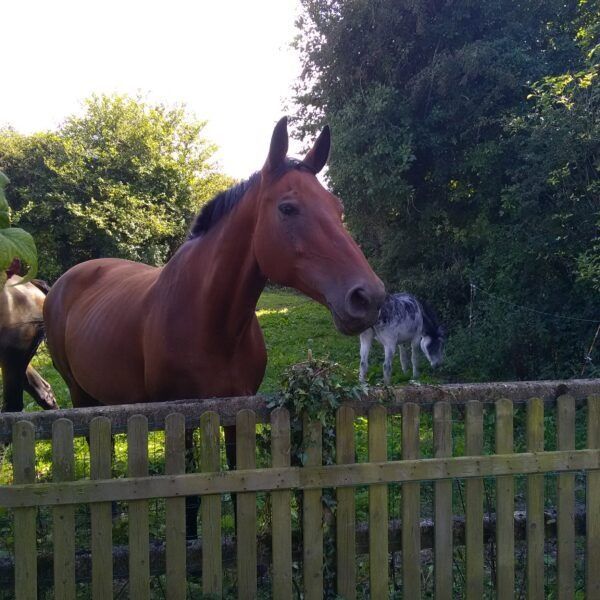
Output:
(21, 331)
(122, 332)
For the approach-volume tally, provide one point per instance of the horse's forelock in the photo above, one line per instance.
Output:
(224, 202)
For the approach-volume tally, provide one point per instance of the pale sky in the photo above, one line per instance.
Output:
(228, 61)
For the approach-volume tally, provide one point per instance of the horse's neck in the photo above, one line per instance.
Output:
(215, 281)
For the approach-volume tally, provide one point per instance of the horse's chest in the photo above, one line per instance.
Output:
(208, 371)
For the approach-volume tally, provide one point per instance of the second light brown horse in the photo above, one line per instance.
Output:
(122, 332)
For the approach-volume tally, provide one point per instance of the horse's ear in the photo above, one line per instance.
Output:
(279, 146)
(317, 156)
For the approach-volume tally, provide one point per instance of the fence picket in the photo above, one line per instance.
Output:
(246, 506)
(139, 534)
(565, 424)
(175, 509)
(535, 504)
(378, 507)
(25, 526)
(505, 505)
(592, 501)
(312, 524)
(212, 562)
(346, 507)
(442, 444)
(411, 504)
(474, 504)
(100, 512)
(63, 517)
(281, 501)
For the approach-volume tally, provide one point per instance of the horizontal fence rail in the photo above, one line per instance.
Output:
(227, 408)
(500, 476)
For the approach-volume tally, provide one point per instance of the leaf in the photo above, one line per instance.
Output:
(15, 242)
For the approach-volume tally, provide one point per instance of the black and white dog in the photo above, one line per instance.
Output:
(403, 319)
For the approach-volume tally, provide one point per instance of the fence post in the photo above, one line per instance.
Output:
(442, 446)
(535, 504)
(565, 524)
(378, 507)
(474, 508)
(411, 505)
(100, 512)
(592, 501)
(346, 507)
(25, 526)
(505, 504)
(210, 461)
(313, 515)
(245, 425)
(176, 558)
(63, 534)
(139, 533)
(281, 500)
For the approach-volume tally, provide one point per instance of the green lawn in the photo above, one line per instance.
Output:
(292, 324)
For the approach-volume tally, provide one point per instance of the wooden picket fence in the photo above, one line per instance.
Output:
(63, 493)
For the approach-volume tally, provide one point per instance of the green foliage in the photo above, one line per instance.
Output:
(123, 180)
(14, 242)
(466, 145)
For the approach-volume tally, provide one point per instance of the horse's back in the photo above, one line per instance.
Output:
(400, 319)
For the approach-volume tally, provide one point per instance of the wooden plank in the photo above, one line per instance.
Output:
(565, 423)
(63, 517)
(101, 512)
(505, 504)
(474, 504)
(312, 518)
(281, 507)
(442, 446)
(246, 507)
(139, 534)
(535, 504)
(346, 507)
(456, 393)
(378, 508)
(592, 501)
(175, 509)
(212, 564)
(25, 526)
(307, 478)
(411, 506)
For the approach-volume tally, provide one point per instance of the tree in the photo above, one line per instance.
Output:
(124, 179)
(458, 162)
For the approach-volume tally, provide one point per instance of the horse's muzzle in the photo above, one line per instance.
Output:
(360, 308)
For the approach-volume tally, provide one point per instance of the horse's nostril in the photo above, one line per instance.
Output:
(358, 302)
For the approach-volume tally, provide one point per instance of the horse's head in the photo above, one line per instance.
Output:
(301, 242)
(433, 346)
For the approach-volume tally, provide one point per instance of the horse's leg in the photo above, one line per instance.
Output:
(404, 357)
(192, 503)
(39, 389)
(389, 348)
(366, 339)
(13, 373)
(415, 356)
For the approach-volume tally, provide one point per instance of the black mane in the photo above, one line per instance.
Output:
(222, 204)
(431, 325)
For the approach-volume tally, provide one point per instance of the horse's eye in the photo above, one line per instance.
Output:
(288, 209)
